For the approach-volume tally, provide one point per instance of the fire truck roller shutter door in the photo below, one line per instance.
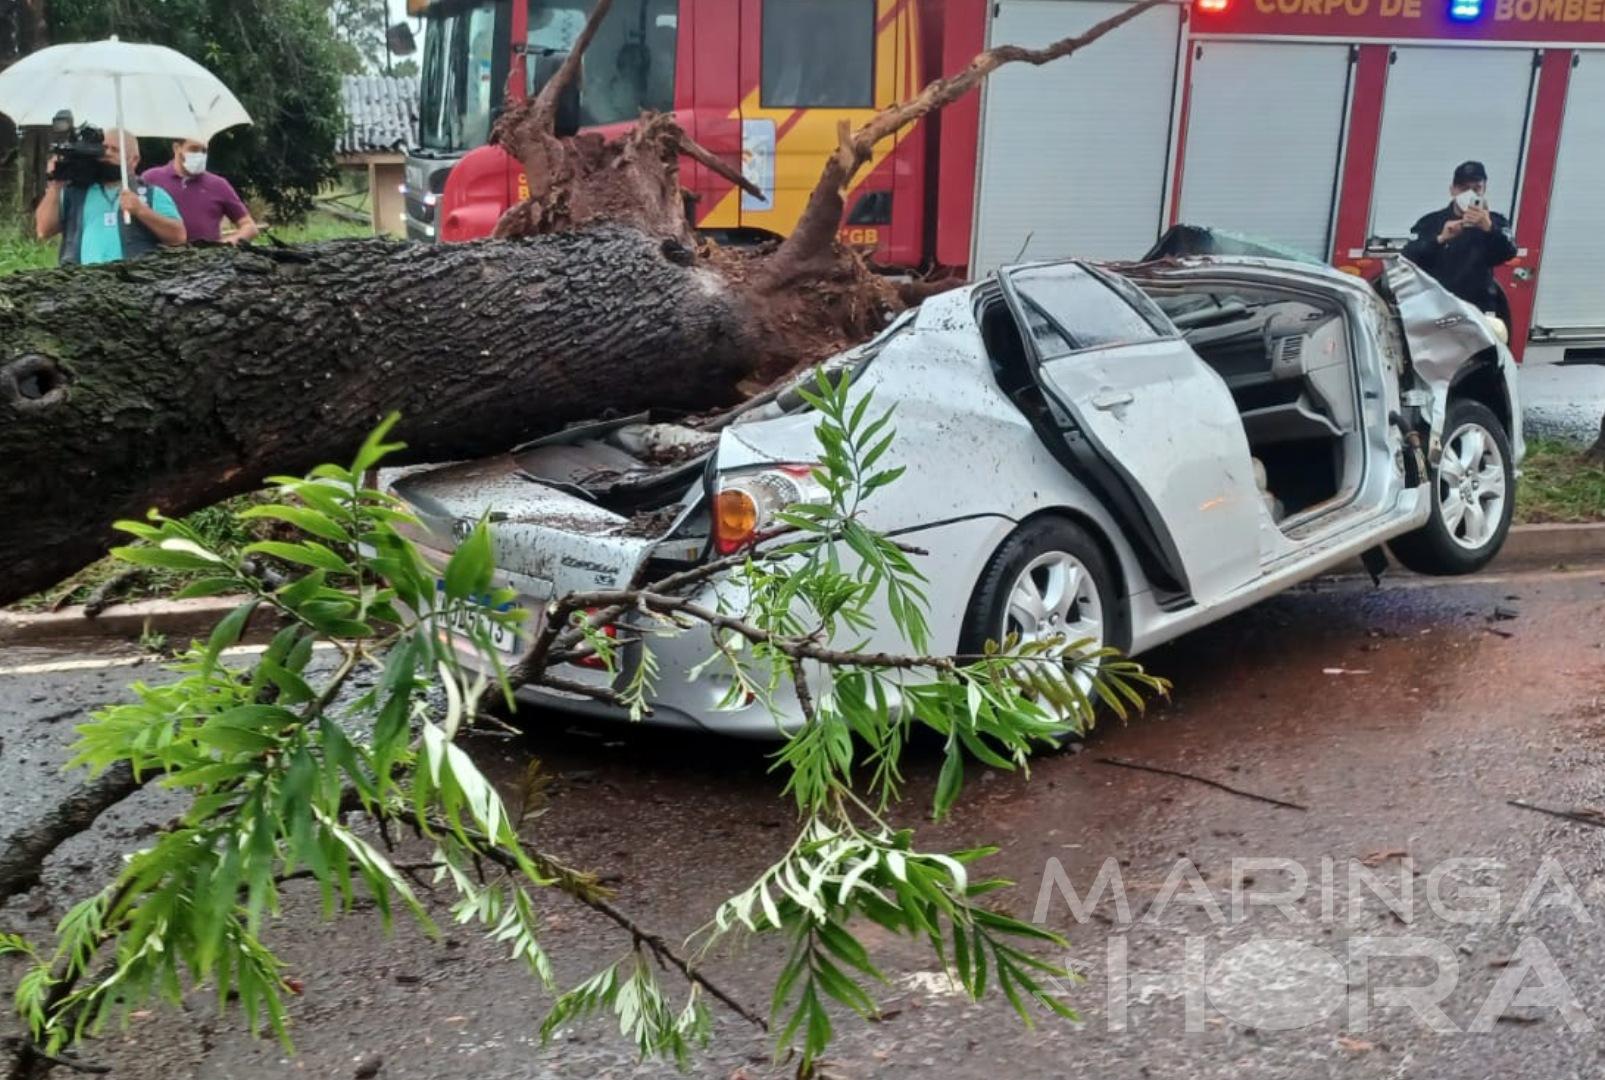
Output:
(1264, 133)
(1445, 105)
(1073, 154)
(1571, 276)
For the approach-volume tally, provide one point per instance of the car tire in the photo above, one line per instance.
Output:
(1474, 469)
(1039, 549)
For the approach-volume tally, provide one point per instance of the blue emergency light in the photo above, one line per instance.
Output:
(1465, 10)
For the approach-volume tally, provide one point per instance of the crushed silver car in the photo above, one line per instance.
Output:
(1120, 453)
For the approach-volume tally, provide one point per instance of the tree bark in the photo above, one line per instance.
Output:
(186, 378)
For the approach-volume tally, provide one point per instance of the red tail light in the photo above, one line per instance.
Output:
(594, 662)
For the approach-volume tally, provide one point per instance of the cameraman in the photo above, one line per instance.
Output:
(88, 211)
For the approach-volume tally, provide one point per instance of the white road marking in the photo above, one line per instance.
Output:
(96, 663)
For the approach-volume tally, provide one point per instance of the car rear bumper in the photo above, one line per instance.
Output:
(700, 702)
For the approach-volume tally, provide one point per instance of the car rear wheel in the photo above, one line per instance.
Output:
(1050, 579)
(1473, 497)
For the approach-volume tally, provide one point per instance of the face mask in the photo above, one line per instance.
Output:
(1467, 199)
(195, 163)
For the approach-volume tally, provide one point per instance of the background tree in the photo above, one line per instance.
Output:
(22, 30)
(282, 59)
(360, 27)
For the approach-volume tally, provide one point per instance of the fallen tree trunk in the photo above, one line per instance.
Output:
(185, 379)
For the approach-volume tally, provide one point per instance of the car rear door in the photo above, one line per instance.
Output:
(1146, 422)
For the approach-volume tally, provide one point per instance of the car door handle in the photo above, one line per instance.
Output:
(1111, 399)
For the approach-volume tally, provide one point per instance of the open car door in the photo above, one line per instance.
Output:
(1145, 424)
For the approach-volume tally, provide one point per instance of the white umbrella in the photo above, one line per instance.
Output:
(147, 90)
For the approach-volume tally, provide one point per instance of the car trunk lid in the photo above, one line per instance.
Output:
(571, 513)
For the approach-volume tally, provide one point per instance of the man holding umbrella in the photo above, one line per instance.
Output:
(132, 89)
(106, 222)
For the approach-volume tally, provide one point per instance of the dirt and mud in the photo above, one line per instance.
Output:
(1404, 718)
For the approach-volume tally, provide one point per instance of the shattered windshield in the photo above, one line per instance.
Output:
(458, 93)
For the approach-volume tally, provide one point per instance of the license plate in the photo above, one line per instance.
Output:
(473, 620)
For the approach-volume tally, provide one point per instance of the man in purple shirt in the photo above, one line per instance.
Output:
(204, 199)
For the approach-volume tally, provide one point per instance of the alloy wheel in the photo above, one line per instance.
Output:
(1471, 486)
(1056, 598)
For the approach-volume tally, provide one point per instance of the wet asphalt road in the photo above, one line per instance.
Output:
(1402, 718)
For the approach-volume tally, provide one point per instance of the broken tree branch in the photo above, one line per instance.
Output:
(708, 159)
(813, 240)
(545, 108)
(1124, 764)
(28, 1050)
(1582, 817)
(582, 887)
(24, 851)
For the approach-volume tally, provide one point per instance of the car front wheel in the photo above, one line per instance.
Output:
(1473, 497)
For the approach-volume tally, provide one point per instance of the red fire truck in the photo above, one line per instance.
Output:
(1325, 125)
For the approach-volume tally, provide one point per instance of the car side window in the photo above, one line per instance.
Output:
(1067, 308)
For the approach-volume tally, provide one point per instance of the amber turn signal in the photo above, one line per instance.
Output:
(735, 520)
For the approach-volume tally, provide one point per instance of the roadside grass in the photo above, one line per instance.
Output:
(1557, 486)
(216, 523)
(318, 227)
(20, 251)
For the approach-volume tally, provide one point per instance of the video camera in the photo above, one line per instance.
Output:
(79, 152)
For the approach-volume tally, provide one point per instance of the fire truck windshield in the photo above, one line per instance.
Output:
(459, 91)
(629, 66)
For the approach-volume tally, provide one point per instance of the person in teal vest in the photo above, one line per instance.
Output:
(102, 222)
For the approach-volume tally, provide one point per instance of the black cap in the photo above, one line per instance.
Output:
(1470, 172)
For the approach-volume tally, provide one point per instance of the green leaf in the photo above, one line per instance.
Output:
(309, 553)
(139, 529)
(207, 587)
(227, 633)
(303, 518)
(255, 717)
(300, 591)
(950, 780)
(234, 740)
(847, 948)
(471, 566)
(374, 449)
